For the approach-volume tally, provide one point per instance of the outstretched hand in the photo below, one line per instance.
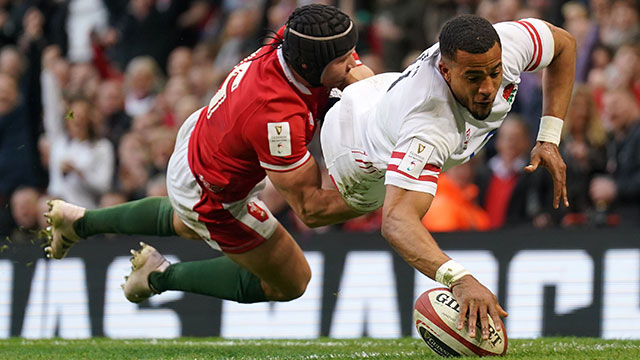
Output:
(547, 155)
(474, 298)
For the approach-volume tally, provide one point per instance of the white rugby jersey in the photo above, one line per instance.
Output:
(404, 129)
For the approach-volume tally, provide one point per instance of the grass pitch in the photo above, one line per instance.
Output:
(215, 348)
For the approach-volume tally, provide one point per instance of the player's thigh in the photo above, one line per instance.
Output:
(279, 263)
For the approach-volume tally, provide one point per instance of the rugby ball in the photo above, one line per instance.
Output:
(436, 317)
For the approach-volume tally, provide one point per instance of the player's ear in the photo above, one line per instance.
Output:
(304, 66)
(445, 70)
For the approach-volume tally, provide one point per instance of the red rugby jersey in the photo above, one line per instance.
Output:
(260, 118)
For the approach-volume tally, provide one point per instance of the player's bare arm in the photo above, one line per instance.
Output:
(402, 228)
(315, 206)
(557, 85)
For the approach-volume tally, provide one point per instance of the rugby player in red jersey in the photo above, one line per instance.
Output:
(258, 124)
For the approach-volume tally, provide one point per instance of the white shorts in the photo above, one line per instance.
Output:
(358, 178)
(230, 227)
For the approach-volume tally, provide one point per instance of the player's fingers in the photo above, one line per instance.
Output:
(559, 189)
(473, 318)
(557, 192)
(558, 186)
(501, 311)
(484, 321)
(533, 165)
(462, 315)
(493, 312)
(565, 197)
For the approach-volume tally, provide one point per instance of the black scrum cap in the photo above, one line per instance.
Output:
(316, 35)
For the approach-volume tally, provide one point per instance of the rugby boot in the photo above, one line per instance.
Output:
(60, 233)
(143, 263)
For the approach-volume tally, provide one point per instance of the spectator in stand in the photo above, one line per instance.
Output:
(185, 107)
(621, 26)
(623, 71)
(399, 27)
(599, 10)
(161, 142)
(133, 172)
(600, 58)
(84, 81)
(620, 190)
(11, 62)
(507, 10)
(83, 17)
(24, 209)
(510, 195)
(140, 28)
(144, 123)
(143, 81)
(18, 161)
(236, 40)
(201, 82)
(110, 103)
(583, 147)
(585, 31)
(455, 208)
(176, 88)
(80, 164)
(179, 62)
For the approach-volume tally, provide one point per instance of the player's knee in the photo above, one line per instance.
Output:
(297, 287)
(296, 291)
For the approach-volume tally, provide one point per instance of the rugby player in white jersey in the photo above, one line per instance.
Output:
(390, 136)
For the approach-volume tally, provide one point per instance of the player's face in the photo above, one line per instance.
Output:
(474, 79)
(335, 73)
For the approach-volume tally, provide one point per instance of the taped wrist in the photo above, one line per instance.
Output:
(550, 129)
(450, 272)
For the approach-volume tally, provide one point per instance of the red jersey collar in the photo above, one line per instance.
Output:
(289, 74)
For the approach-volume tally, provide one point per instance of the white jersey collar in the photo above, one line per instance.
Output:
(289, 74)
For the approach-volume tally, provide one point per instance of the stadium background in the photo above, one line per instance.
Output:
(131, 72)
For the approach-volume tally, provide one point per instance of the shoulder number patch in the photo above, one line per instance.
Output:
(279, 136)
(416, 158)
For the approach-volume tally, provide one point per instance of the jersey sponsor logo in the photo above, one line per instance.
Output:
(416, 158)
(509, 92)
(279, 135)
(257, 212)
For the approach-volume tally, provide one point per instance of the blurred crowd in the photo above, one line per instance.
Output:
(92, 93)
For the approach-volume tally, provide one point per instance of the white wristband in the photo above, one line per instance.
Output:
(550, 129)
(450, 272)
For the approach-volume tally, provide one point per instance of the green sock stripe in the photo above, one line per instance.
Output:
(219, 277)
